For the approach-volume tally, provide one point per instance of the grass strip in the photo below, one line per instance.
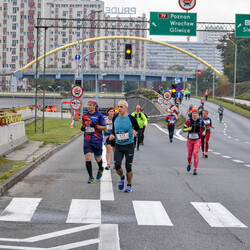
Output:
(9, 168)
(56, 131)
(240, 109)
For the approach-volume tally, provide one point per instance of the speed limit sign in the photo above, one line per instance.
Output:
(75, 104)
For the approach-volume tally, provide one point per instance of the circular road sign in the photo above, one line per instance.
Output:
(77, 91)
(160, 100)
(179, 86)
(77, 57)
(75, 104)
(187, 4)
(167, 104)
(167, 95)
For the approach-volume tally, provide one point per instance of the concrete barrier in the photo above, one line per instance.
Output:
(11, 137)
(150, 107)
(27, 114)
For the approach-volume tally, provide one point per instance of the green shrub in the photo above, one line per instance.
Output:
(147, 93)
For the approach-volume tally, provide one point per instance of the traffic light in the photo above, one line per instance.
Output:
(173, 90)
(128, 51)
(78, 82)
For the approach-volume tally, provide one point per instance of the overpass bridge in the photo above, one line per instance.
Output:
(108, 74)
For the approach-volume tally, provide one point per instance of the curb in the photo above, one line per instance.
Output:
(14, 179)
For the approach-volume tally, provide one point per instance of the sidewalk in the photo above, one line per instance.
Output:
(238, 101)
(33, 153)
(29, 152)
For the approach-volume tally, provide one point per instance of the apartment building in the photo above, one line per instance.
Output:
(161, 58)
(18, 37)
(17, 34)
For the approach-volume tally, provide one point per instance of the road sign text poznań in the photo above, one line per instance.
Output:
(177, 24)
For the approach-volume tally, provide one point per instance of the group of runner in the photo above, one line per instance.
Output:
(120, 133)
(123, 132)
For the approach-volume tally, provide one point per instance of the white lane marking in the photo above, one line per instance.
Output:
(109, 237)
(236, 139)
(230, 137)
(216, 153)
(247, 142)
(226, 157)
(62, 247)
(238, 161)
(217, 215)
(106, 187)
(84, 211)
(247, 166)
(53, 234)
(181, 138)
(20, 209)
(151, 213)
(76, 244)
(210, 150)
(225, 134)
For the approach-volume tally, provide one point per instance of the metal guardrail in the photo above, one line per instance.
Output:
(6, 119)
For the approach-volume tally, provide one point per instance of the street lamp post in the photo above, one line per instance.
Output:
(83, 19)
(212, 44)
(50, 87)
(235, 64)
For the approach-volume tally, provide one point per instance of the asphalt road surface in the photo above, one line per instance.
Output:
(169, 208)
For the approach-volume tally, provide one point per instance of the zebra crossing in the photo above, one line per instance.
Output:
(86, 211)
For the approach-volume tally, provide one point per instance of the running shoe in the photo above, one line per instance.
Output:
(128, 189)
(203, 155)
(195, 172)
(188, 168)
(99, 174)
(121, 183)
(91, 180)
(206, 155)
(107, 168)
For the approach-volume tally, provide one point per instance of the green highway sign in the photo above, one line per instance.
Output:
(175, 24)
(242, 25)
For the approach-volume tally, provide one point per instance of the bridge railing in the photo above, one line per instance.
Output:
(109, 71)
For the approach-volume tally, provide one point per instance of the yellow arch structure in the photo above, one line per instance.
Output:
(122, 37)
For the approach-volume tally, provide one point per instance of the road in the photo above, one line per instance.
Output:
(55, 208)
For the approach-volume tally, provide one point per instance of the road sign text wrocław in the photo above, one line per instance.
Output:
(175, 24)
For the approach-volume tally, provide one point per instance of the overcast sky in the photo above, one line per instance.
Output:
(207, 10)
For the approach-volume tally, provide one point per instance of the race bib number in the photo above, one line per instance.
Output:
(207, 122)
(109, 127)
(89, 129)
(172, 122)
(193, 136)
(122, 136)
